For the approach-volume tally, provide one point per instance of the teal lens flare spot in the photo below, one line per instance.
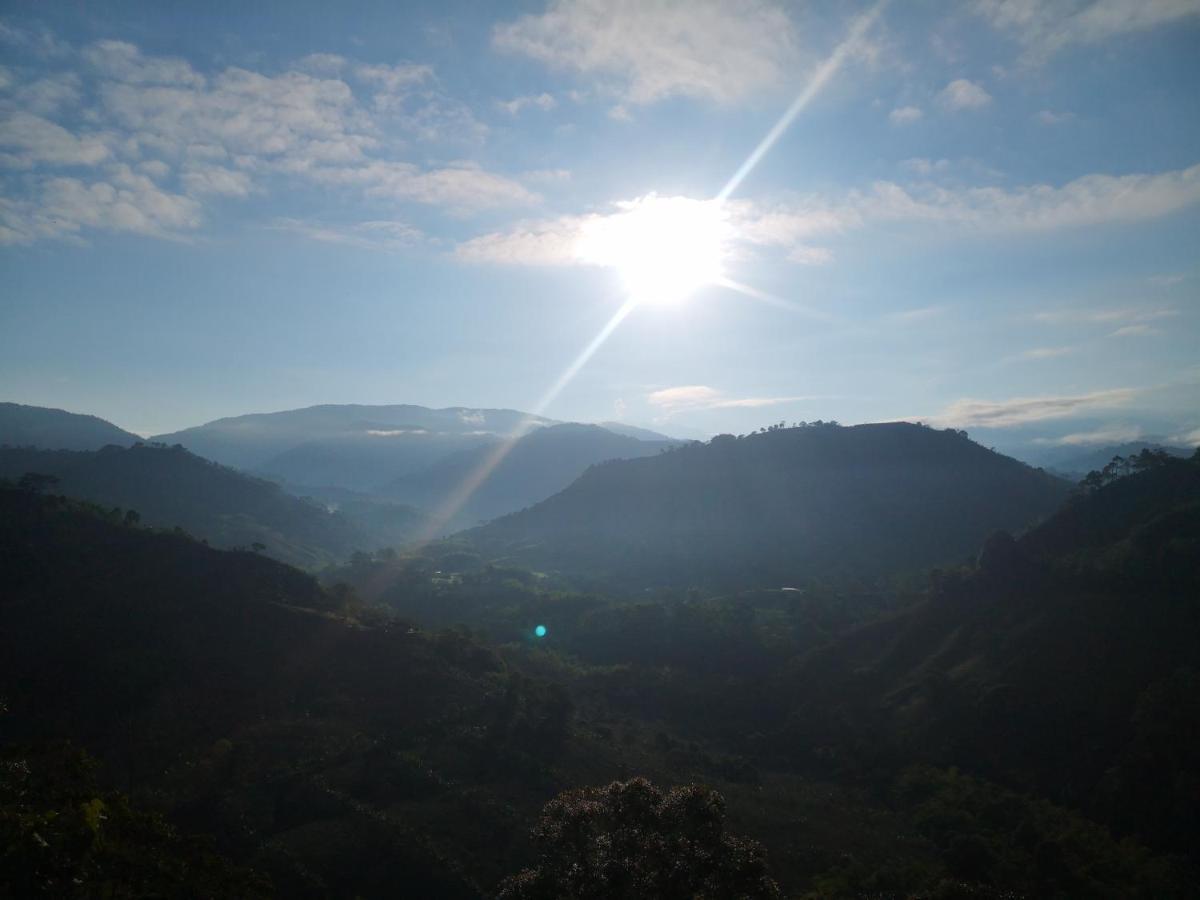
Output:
(540, 631)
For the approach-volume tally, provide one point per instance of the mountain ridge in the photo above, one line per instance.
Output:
(782, 504)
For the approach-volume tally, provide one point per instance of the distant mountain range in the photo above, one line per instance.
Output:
(57, 429)
(537, 466)
(1076, 462)
(330, 445)
(781, 505)
(171, 487)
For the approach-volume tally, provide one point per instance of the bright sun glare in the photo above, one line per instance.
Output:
(663, 248)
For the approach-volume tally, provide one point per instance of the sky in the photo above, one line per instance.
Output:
(980, 215)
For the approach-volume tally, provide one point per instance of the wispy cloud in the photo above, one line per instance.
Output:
(1107, 316)
(699, 396)
(968, 413)
(374, 235)
(1049, 117)
(1047, 352)
(647, 51)
(1045, 28)
(543, 101)
(1136, 331)
(1110, 434)
(1186, 438)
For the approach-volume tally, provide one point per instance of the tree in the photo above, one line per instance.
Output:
(36, 482)
(631, 840)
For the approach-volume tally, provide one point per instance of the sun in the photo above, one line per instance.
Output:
(663, 248)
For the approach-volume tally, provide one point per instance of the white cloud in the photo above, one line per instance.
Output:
(124, 62)
(962, 94)
(126, 201)
(1088, 201)
(394, 78)
(1049, 117)
(460, 187)
(543, 101)
(230, 134)
(375, 235)
(209, 179)
(1110, 434)
(649, 50)
(46, 96)
(31, 140)
(905, 115)
(1021, 411)
(1046, 27)
(1047, 352)
(699, 396)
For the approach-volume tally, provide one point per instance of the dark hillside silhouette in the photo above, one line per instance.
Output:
(781, 505)
(56, 429)
(1066, 663)
(169, 487)
(540, 464)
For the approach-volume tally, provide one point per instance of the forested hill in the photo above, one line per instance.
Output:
(233, 693)
(781, 505)
(1067, 663)
(537, 466)
(57, 429)
(169, 487)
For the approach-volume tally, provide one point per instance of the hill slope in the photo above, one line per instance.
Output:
(170, 487)
(57, 429)
(1066, 663)
(782, 505)
(227, 688)
(538, 465)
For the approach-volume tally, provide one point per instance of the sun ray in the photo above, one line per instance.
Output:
(772, 300)
(632, 252)
(449, 508)
(820, 78)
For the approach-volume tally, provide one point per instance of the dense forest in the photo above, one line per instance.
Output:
(438, 720)
(779, 507)
(168, 487)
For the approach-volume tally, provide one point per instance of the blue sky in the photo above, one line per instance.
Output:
(987, 214)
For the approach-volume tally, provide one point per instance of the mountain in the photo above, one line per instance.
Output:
(633, 431)
(330, 445)
(57, 429)
(1065, 663)
(779, 506)
(171, 487)
(1076, 462)
(365, 459)
(538, 465)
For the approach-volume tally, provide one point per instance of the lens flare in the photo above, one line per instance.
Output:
(663, 248)
(540, 631)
